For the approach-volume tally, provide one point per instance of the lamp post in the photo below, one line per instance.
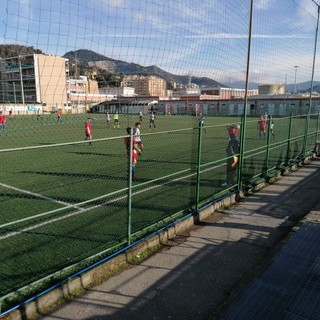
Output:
(295, 78)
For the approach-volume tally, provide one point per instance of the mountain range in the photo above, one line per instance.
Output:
(300, 87)
(91, 58)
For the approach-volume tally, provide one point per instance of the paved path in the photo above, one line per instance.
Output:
(199, 274)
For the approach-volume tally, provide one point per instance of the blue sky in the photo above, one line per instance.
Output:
(203, 38)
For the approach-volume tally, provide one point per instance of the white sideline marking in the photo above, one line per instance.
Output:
(37, 195)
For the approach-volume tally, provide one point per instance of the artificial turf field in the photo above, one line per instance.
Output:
(62, 201)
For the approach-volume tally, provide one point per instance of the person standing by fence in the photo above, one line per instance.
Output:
(232, 151)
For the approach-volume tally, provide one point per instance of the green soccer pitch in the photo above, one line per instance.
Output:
(63, 201)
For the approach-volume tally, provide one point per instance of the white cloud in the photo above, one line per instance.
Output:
(114, 3)
(261, 4)
(209, 39)
(306, 15)
(243, 36)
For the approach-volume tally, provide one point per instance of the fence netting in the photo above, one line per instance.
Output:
(68, 202)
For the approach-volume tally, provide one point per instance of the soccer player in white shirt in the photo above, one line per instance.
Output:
(136, 132)
(152, 121)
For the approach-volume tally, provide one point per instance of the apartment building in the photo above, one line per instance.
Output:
(271, 89)
(34, 79)
(146, 86)
(227, 93)
(84, 91)
(118, 91)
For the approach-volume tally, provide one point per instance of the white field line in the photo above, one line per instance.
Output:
(37, 195)
(81, 210)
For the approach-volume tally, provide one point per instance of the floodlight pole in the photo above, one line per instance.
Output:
(311, 85)
(295, 79)
(243, 122)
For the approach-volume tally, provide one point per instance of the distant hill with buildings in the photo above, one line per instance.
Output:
(304, 86)
(91, 59)
(300, 87)
(117, 66)
(242, 85)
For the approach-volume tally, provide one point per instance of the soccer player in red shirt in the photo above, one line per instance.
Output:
(2, 120)
(135, 151)
(88, 131)
(59, 115)
(262, 127)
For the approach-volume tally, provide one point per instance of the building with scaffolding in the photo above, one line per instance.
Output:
(35, 79)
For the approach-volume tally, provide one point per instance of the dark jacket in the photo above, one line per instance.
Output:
(233, 147)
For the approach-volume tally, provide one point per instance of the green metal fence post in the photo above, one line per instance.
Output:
(289, 138)
(243, 122)
(268, 147)
(241, 155)
(311, 85)
(318, 123)
(130, 186)
(306, 133)
(199, 164)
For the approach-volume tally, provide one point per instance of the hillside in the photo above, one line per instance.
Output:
(13, 50)
(91, 58)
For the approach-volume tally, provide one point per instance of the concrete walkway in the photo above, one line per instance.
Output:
(199, 275)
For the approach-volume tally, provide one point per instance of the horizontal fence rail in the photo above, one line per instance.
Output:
(224, 96)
